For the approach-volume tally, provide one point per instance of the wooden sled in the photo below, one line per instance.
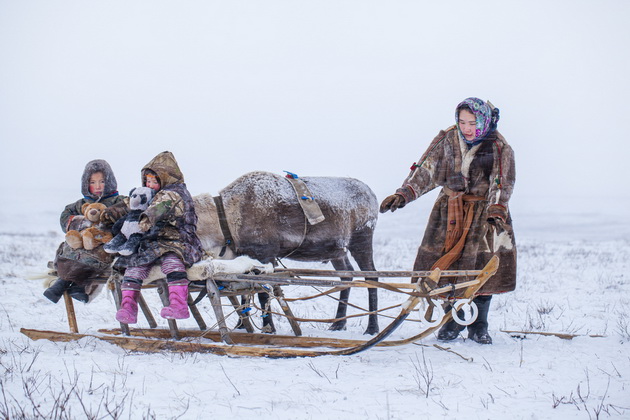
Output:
(232, 343)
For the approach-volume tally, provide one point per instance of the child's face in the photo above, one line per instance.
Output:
(97, 183)
(152, 183)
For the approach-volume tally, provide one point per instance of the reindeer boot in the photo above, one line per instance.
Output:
(450, 331)
(178, 298)
(128, 312)
(478, 330)
(54, 292)
(77, 292)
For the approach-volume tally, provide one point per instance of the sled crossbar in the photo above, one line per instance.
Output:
(380, 274)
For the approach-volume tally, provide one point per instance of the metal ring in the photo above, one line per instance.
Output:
(459, 305)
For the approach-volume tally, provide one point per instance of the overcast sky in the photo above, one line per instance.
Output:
(344, 88)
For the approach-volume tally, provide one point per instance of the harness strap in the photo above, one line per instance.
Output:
(309, 205)
(225, 229)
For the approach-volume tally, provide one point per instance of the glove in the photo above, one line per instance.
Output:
(393, 202)
(496, 214)
(78, 223)
(113, 213)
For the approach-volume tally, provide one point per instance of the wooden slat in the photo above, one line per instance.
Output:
(72, 318)
(153, 346)
(380, 274)
(246, 338)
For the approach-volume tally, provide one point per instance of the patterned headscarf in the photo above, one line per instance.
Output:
(487, 118)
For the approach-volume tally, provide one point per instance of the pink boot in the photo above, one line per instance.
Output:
(128, 312)
(178, 309)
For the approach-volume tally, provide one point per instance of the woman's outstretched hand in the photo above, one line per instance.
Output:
(393, 202)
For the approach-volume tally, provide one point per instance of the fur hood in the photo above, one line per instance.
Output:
(166, 168)
(98, 165)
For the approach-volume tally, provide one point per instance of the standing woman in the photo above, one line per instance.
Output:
(470, 221)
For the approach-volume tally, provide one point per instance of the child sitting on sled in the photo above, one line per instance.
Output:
(75, 267)
(170, 239)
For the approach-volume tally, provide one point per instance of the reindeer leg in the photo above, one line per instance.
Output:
(268, 326)
(361, 250)
(345, 265)
(243, 317)
(368, 265)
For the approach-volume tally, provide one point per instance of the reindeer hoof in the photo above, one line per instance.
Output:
(371, 330)
(337, 326)
(268, 329)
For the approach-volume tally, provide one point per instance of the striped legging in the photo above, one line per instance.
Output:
(172, 266)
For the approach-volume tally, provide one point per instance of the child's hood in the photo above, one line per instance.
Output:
(98, 165)
(166, 168)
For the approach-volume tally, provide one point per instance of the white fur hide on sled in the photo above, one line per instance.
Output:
(209, 267)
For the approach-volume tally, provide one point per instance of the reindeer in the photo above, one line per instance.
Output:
(266, 223)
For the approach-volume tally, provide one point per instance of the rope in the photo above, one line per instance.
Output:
(301, 242)
(370, 282)
(332, 320)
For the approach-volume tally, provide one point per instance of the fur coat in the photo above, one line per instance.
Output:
(487, 171)
(170, 220)
(80, 265)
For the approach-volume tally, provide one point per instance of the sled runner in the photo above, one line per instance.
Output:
(224, 341)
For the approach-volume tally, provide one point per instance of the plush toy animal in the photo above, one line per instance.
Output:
(84, 231)
(127, 240)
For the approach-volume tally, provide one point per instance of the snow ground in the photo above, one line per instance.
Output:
(573, 278)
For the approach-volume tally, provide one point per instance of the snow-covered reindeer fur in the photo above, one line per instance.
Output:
(267, 223)
(128, 238)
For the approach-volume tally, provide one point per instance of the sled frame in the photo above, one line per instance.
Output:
(267, 345)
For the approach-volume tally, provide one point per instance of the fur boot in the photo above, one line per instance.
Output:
(128, 312)
(478, 330)
(54, 292)
(77, 292)
(450, 331)
(178, 298)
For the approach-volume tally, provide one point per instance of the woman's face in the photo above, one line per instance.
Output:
(97, 183)
(467, 124)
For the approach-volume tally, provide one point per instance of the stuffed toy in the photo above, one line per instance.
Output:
(84, 231)
(127, 240)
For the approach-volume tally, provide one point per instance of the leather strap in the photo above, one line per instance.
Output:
(225, 229)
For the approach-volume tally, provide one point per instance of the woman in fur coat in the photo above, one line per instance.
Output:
(470, 221)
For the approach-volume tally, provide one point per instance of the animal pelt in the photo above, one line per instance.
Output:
(129, 233)
(85, 231)
(209, 267)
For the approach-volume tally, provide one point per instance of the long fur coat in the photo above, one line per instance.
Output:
(486, 170)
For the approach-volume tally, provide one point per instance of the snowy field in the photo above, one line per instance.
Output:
(349, 88)
(572, 278)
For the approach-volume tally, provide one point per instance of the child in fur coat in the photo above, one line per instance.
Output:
(170, 240)
(75, 267)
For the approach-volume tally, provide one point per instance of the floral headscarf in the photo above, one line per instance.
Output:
(487, 118)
